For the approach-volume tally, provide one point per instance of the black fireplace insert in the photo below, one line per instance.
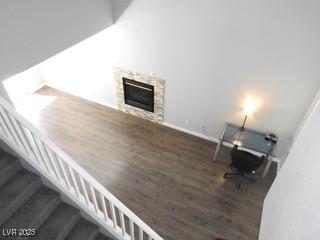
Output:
(137, 94)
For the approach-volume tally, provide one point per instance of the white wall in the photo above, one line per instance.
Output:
(22, 84)
(85, 69)
(217, 52)
(307, 115)
(212, 55)
(31, 31)
(291, 209)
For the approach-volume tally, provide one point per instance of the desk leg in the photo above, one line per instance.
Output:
(266, 170)
(219, 143)
(217, 151)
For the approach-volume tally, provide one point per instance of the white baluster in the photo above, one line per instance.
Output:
(46, 157)
(84, 189)
(4, 128)
(53, 160)
(20, 134)
(105, 212)
(31, 144)
(37, 150)
(40, 153)
(94, 199)
(123, 226)
(9, 126)
(66, 179)
(131, 229)
(25, 139)
(75, 184)
(113, 215)
(140, 233)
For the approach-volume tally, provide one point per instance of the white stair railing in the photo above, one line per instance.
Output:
(55, 164)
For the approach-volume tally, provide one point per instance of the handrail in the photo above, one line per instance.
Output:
(59, 166)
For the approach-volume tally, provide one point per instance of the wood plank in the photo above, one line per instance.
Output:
(165, 176)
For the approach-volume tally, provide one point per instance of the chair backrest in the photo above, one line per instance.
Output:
(244, 161)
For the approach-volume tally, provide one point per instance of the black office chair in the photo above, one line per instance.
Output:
(245, 163)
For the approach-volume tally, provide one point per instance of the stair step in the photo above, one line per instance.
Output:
(9, 166)
(35, 211)
(102, 237)
(15, 192)
(84, 230)
(4, 158)
(59, 224)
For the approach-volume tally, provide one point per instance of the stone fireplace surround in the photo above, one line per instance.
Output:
(159, 87)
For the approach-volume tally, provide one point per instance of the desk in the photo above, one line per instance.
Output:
(247, 139)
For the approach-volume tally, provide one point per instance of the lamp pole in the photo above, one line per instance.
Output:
(244, 122)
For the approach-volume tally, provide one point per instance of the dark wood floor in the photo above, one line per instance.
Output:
(165, 176)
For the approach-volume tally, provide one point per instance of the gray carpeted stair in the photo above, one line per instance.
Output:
(101, 237)
(7, 167)
(84, 230)
(25, 203)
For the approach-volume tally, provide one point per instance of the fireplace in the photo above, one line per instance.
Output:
(138, 94)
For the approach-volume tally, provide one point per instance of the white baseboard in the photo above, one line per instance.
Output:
(212, 139)
(167, 124)
(194, 133)
(115, 107)
(37, 87)
(77, 95)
